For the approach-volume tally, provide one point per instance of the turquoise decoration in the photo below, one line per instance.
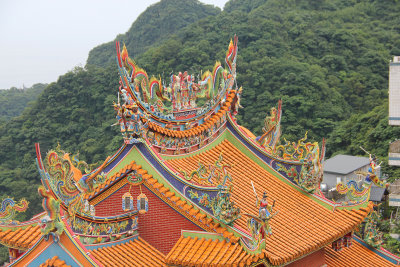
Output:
(218, 173)
(291, 172)
(221, 205)
(224, 209)
(203, 199)
(369, 231)
(9, 208)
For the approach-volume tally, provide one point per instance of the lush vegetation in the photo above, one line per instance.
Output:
(14, 100)
(327, 61)
(152, 27)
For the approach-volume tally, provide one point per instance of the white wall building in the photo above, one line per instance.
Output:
(394, 91)
(342, 168)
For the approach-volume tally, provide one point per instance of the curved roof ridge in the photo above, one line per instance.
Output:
(252, 144)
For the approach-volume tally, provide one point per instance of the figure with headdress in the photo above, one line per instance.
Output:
(259, 225)
(120, 117)
(371, 169)
(265, 213)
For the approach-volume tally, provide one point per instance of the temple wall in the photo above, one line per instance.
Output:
(113, 204)
(161, 226)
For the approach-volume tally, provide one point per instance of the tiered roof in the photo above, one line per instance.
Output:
(20, 237)
(302, 225)
(305, 222)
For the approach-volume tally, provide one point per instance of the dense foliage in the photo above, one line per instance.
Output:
(152, 27)
(75, 111)
(327, 61)
(14, 100)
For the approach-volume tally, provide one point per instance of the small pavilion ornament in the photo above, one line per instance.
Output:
(259, 225)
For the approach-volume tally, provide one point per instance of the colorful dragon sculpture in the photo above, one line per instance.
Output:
(356, 194)
(182, 91)
(67, 180)
(311, 158)
(212, 175)
(51, 224)
(9, 208)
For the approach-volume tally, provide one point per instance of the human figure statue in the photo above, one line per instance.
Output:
(371, 169)
(135, 124)
(264, 209)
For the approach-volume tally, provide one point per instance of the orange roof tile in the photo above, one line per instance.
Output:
(110, 180)
(302, 225)
(206, 125)
(18, 237)
(190, 251)
(133, 253)
(54, 262)
(182, 205)
(356, 255)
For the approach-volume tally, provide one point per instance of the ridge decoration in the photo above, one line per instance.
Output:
(216, 174)
(369, 232)
(311, 158)
(259, 226)
(51, 224)
(356, 194)
(177, 103)
(221, 205)
(67, 181)
(272, 129)
(9, 209)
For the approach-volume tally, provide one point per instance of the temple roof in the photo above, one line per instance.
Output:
(166, 144)
(356, 255)
(133, 253)
(175, 201)
(302, 225)
(20, 237)
(193, 251)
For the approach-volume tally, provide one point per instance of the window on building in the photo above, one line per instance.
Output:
(338, 180)
(127, 203)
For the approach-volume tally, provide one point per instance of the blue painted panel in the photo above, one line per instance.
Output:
(53, 250)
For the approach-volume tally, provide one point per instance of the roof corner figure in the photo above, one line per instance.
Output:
(259, 225)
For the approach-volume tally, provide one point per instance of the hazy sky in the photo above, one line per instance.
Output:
(42, 39)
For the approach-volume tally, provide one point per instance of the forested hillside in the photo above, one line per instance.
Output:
(327, 60)
(13, 101)
(152, 27)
